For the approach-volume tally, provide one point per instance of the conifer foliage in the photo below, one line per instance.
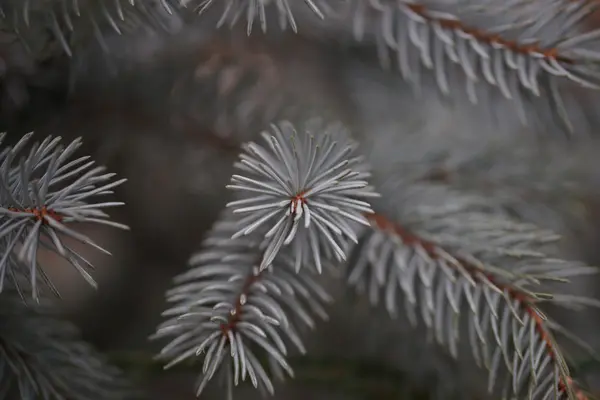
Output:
(307, 204)
(44, 192)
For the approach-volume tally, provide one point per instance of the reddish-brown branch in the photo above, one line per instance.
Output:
(528, 303)
(39, 213)
(491, 38)
(236, 313)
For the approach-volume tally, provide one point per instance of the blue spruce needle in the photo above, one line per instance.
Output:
(41, 194)
(308, 187)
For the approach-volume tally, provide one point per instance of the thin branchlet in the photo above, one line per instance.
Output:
(225, 305)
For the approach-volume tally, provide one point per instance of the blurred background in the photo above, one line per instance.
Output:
(168, 109)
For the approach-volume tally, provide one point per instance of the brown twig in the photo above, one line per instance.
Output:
(527, 301)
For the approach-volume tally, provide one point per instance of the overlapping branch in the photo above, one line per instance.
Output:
(43, 193)
(247, 288)
(474, 267)
(227, 310)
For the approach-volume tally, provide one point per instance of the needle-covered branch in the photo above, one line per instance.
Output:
(42, 194)
(526, 49)
(464, 266)
(307, 187)
(233, 314)
(247, 289)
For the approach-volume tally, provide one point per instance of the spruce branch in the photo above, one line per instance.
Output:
(42, 357)
(525, 49)
(307, 187)
(41, 194)
(465, 256)
(225, 305)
